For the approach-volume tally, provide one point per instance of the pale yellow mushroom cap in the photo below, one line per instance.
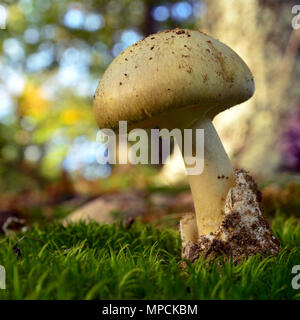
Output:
(176, 76)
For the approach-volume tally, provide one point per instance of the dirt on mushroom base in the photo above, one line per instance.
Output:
(244, 230)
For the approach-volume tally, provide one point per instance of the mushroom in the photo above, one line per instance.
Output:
(180, 79)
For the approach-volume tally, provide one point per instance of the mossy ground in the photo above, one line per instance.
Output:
(110, 262)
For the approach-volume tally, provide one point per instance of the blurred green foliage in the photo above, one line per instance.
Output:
(52, 55)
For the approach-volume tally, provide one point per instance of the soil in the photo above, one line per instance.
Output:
(244, 231)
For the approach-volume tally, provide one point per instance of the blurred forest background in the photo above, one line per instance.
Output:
(53, 54)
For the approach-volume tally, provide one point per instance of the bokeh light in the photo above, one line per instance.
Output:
(160, 13)
(181, 11)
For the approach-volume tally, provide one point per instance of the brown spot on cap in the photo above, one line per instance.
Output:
(179, 31)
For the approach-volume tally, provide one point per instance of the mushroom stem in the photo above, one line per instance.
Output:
(210, 188)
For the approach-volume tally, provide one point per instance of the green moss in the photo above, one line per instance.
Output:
(110, 262)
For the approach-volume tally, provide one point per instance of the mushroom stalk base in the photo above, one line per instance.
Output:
(210, 188)
(242, 231)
